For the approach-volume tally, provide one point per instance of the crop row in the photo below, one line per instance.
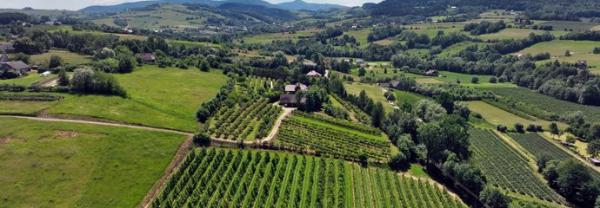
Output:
(296, 133)
(537, 145)
(531, 102)
(251, 120)
(343, 123)
(504, 167)
(360, 115)
(238, 178)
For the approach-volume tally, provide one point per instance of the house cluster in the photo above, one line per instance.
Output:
(17, 68)
(292, 96)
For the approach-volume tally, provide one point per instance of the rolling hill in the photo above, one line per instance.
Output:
(295, 5)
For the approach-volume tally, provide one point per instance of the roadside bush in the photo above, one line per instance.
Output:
(201, 140)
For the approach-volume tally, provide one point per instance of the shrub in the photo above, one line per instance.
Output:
(493, 80)
(399, 162)
(502, 128)
(201, 140)
(519, 128)
(531, 128)
(55, 61)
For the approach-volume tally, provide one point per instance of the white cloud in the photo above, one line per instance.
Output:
(78, 4)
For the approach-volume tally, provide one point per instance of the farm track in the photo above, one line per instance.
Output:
(271, 136)
(180, 155)
(83, 121)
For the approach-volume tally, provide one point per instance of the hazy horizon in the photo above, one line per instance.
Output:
(79, 4)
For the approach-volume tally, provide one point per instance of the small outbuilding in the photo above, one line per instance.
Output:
(313, 73)
(432, 73)
(147, 58)
(18, 67)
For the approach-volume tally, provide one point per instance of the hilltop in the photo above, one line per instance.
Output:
(295, 5)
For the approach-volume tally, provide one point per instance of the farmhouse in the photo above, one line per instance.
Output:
(291, 96)
(147, 58)
(17, 67)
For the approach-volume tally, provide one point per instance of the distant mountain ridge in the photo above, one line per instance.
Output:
(302, 5)
(294, 5)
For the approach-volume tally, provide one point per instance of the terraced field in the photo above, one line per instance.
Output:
(506, 168)
(335, 138)
(233, 178)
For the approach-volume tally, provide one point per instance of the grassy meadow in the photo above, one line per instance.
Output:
(50, 164)
(29, 79)
(269, 37)
(516, 33)
(407, 97)
(158, 97)
(67, 57)
(497, 116)
(360, 35)
(580, 50)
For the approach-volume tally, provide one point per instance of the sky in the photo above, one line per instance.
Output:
(78, 4)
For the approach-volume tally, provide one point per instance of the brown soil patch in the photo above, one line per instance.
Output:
(6, 139)
(66, 134)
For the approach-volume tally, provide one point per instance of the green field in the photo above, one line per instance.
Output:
(546, 103)
(233, 178)
(465, 79)
(506, 168)
(407, 97)
(24, 107)
(360, 35)
(28, 80)
(67, 57)
(516, 33)
(569, 25)
(269, 37)
(49, 164)
(167, 98)
(457, 48)
(168, 16)
(581, 50)
(432, 29)
(497, 116)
